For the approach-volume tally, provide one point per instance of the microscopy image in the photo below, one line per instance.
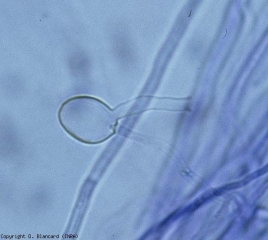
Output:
(134, 120)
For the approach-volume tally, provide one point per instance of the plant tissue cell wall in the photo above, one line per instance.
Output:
(199, 174)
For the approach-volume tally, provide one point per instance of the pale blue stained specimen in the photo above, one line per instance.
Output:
(219, 149)
(225, 160)
(211, 176)
(150, 86)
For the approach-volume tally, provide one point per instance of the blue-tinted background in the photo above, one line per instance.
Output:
(171, 162)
